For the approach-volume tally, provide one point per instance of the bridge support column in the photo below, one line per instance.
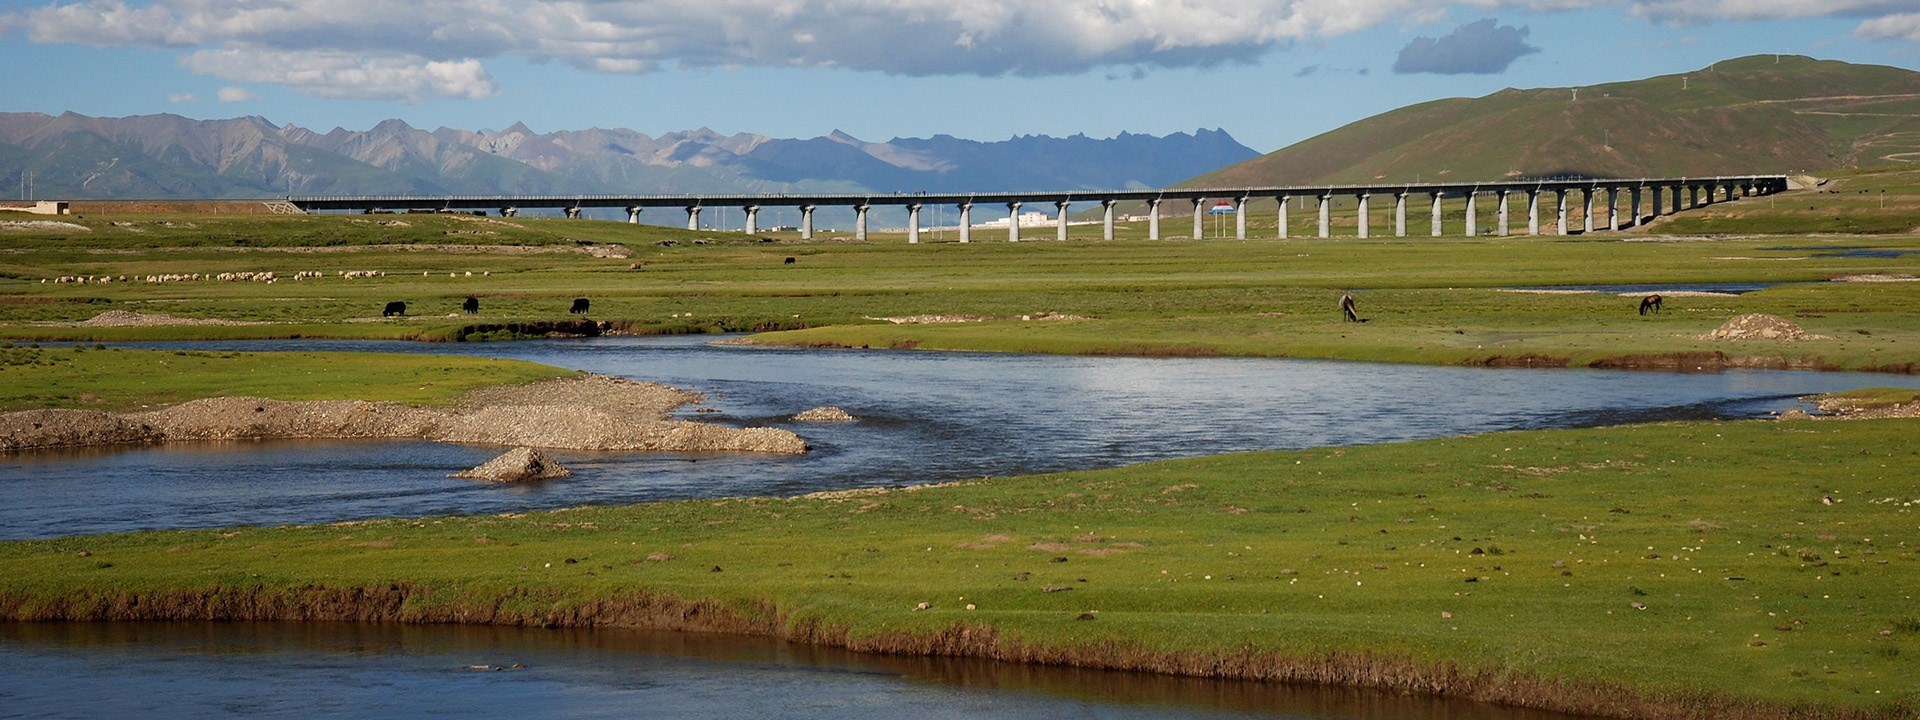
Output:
(693, 217)
(1560, 211)
(1153, 219)
(1613, 209)
(1693, 199)
(1746, 190)
(1400, 214)
(1106, 219)
(1533, 211)
(1473, 214)
(1013, 222)
(1283, 214)
(1434, 200)
(1240, 218)
(1673, 207)
(753, 218)
(1199, 218)
(913, 224)
(1325, 222)
(860, 223)
(633, 214)
(1060, 221)
(1361, 220)
(806, 222)
(1654, 211)
(966, 222)
(1503, 211)
(1586, 198)
(1731, 189)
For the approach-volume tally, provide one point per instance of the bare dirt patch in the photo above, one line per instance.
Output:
(588, 412)
(1760, 326)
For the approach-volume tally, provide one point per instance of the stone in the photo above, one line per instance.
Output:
(521, 464)
(824, 414)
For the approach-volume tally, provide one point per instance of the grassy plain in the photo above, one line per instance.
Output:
(1731, 569)
(1432, 300)
(120, 379)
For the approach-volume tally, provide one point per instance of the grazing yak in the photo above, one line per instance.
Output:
(789, 261)
(471, 305)
(1650, 303)
(394, 308)
(579, 306)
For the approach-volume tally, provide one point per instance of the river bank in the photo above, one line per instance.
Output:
(1722, 569)
(587, 412)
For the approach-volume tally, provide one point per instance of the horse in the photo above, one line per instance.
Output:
(1650, 303)
(1347, 308)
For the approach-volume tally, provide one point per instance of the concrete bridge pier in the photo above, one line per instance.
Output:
(1473, 214)
(1654, 210)
(1560, 212)
(1283, 214)
(1503, 211)
(1013, 222)
(1673, 206)
(1693, 200)
(860, 222)
(1060, 220)
(913, 223)
(1533, 211)
(1613, 209)
(1731, 189)
(1325, 223)
(1106, 219)
(1586, 198)
(1400, 214)
(1434, 199)
(1746, 190)
(1153, 219)
(1199, 218)
(806, 222)
(633, 214)
(693, 217)
(1240, 218)
(966, 222)
(753, 219)
(1361, 219)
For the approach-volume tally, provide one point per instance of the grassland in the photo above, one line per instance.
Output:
(1431, 300)
(118, 379)
(1730, 569)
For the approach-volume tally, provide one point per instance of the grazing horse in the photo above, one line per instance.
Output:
(1650, 303)
(394, 308)
(471, 305)
(1347, 308)
(579, 306)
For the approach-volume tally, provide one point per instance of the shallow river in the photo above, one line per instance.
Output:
(924, 417)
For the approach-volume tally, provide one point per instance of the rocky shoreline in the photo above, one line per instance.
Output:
(585, 412)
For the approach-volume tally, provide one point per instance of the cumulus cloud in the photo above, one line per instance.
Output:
(332, 74)
(232, 94)
(434, 48)
(1483, 47)
(1892, 27)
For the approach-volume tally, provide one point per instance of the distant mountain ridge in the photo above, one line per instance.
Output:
(1764, 113)
(168, 156)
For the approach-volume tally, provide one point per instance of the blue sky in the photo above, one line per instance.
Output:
(1271, 72)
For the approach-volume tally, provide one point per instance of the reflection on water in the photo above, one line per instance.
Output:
(924, 417)
(188, 670)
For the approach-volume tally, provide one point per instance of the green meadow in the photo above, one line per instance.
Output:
(1728, 569)
(1714, 569)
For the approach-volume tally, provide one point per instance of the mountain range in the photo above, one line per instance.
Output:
(168, 156)
(1757, 114)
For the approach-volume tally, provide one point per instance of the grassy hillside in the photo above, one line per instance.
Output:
(1763, 113)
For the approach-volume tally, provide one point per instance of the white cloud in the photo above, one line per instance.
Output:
(333, 74)
(232, 94)
(179, 98)
(433, 48)
(1892, 27)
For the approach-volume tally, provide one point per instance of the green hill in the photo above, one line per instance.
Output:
(1763, 113)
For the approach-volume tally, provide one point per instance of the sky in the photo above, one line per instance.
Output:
(1270, 72)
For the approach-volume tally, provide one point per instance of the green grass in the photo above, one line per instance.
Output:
(1692, 563)
(118, 379)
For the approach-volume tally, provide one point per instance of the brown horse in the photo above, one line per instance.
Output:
(1650, 303)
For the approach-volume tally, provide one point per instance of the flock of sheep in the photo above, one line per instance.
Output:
(264, 276)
